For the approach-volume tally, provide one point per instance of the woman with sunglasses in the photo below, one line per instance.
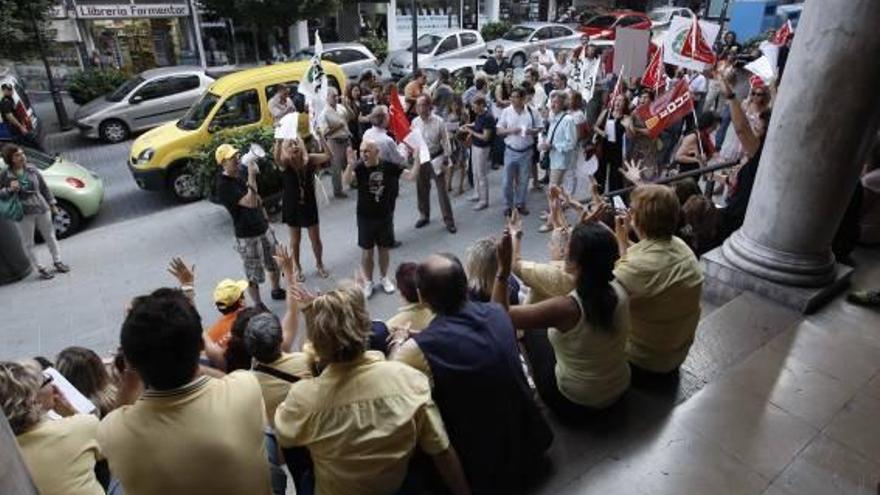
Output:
(60, 454)
(23, 182)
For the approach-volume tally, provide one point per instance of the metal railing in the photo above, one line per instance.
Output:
(684, 175)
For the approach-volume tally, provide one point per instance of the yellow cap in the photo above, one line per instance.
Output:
(228, 292)
(225, 152)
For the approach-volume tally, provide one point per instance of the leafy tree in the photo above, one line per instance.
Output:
(18, 38)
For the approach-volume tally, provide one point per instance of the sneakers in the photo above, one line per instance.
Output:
(545, 228)
(421, 223)
(387, 285)
(44, 274)
(522, 210)
(480, 206)
(869, 298)
(60, 267)
(368, 290)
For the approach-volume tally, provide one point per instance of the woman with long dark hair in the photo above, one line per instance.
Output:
(576, 343)
(299, 207)
(609, 132)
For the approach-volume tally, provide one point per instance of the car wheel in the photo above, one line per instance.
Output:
(113, 131)
(183, 185)
(518, 60)
(67, 221)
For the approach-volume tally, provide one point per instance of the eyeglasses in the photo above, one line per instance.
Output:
(758, 93)
(46, 381)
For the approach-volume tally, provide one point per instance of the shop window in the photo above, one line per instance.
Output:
(468, 39)
(156, 89)
(448, 45)
(238, 110)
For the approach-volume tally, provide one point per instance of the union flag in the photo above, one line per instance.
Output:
(398, 124)
(655, 74)
(695, 45)
(782, 34)
(666, 109)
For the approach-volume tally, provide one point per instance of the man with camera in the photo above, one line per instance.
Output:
(254, 240)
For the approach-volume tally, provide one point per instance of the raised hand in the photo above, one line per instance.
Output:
(621, 231)
(504, 253)
(596, 213)
(514, 223)
(632, 171)
(284, 260)
(350, 156)
(185, 275)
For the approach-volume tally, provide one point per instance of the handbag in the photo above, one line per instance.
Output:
(11, 209)
(545, 158)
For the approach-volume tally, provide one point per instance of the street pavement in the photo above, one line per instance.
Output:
(124, 253)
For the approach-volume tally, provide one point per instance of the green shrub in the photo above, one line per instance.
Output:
(85, 86)
(494, 30)
(204, 166)
(379, 46)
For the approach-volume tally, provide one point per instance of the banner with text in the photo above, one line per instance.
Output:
(667, 109)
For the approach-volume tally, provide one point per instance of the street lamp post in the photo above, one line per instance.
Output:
(63, 119)
(415, 36)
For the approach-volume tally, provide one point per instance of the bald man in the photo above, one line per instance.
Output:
(470, 354)
(377, 185)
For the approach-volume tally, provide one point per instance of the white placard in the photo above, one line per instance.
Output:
(81, 404)
(674, 39)
(631, 51)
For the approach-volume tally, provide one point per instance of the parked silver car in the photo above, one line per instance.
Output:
(455, 43)
(353, 58)
(661, 17)
(523, 39)
(148, 99)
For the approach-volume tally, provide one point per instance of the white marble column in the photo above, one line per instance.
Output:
(827, 105)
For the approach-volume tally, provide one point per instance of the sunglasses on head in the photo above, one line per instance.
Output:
(46, 380)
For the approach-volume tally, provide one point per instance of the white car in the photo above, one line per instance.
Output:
(523, 39)
(661, 17)
(432, 47)
(353, 58)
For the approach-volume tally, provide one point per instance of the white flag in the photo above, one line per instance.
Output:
(288, 127)
(763, 68)
(589, 74)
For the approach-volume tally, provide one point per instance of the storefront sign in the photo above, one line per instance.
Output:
(128, 11)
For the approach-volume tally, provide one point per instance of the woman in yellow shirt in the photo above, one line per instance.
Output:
(60, 454)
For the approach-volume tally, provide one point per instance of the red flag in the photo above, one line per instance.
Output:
(782, 34)
(695, 45)
(398, 124)
(666, 109)
(655, 74)
(617, 91)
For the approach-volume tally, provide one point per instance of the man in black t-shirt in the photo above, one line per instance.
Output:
(254, 240)
(377, 183)
(18, 129)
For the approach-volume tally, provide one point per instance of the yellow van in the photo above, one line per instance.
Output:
(159, 157)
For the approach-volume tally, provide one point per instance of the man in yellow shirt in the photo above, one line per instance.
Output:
(186, 433)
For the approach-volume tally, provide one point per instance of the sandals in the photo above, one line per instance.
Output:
(322, 272)
(45, 274)
(60, 267)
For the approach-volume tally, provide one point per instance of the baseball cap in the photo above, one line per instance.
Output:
(228, 292)
(225, 152)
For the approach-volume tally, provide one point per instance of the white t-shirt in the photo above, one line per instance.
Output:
(699, 84)
(510, 119)
(546, 58)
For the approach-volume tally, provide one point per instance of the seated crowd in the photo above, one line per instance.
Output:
(436, 399)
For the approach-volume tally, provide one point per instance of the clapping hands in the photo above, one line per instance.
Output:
(185, 275)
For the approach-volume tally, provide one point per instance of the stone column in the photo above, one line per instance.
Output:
(827, 105)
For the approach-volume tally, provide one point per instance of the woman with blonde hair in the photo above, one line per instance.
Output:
(299, 206)
(481, 267)
(337, 414)
(60, 454)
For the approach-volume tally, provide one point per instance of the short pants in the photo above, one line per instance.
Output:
(375, 232)
(257, 254)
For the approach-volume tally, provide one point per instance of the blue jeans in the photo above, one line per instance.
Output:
(517, 167)
(721, 133)
(276, 472)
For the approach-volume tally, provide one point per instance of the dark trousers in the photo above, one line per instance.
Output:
(423, 193)
(543, 362)
(609, 167)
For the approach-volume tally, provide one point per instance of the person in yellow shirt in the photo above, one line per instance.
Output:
(415, 314)
(663, 279)
(186, 433)
(362, 418)
(60, 454)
